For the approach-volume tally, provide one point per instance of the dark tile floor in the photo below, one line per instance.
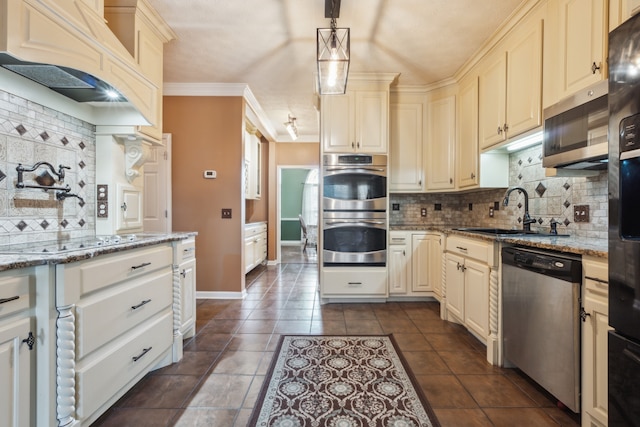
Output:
(217, 382)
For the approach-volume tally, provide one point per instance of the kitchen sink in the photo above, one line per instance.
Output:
(505, 231)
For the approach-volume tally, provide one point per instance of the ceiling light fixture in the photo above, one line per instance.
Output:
(333, 53)
(292, 128)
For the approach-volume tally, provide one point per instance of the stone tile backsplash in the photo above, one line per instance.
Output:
(31, 133)
(550, 198)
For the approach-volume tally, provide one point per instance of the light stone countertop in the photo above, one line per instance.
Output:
(576, 245)
(15, 261)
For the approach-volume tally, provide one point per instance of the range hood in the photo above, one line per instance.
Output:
(66, 46)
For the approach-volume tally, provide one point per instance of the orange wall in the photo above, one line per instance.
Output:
(207, 133)
(286, 154)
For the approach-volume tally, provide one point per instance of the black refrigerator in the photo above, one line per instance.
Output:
(624, 224)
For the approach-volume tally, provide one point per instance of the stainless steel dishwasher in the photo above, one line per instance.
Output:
(541, 319)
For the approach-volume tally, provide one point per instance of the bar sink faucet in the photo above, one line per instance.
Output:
(526, 220)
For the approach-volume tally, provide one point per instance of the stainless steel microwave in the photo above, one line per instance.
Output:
(575, 130)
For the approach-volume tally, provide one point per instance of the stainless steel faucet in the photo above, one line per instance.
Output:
(526, 220)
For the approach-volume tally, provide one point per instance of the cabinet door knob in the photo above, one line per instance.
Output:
(450, 180)
(505, 127)
(183, 273)
(473, 175)
(595, 67)
(124, 207)
(358, 144)
(499, 130)
(29, 341)
(353, 145)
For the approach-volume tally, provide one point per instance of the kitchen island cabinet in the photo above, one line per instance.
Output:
(17, 348)
(255, 245)
(115, 323)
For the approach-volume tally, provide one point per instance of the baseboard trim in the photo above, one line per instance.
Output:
(273, 262)
(220, 295)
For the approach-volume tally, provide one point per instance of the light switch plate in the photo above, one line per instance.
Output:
(226, 213)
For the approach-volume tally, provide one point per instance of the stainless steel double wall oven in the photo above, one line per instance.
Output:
(354, 210)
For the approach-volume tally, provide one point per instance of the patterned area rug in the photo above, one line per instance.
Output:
(340, 381)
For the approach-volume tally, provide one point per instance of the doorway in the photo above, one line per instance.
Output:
(297, 211)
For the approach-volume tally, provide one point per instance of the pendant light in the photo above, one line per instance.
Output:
(333, 53)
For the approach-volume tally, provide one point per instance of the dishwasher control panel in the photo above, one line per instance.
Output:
(550, 263)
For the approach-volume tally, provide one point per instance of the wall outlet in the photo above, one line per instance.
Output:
(491, 211)
(581, 213)
(395, 206)
(423, 212)
(226, 213)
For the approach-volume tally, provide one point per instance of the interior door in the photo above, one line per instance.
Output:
(157, 189)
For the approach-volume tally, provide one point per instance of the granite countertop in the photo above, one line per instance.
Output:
(23, 260)
(576, 245)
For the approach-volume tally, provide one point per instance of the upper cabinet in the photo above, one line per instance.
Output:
(510, 85)
(441, 141)
(467, 142)
(358, 121)
(355, 122)
(143, 32)
(406, 160)
(621, 10)
(578, 41)
(253, 162)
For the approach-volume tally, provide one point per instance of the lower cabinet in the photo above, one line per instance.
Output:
(185, 261)
(17, 352)
(115, 323)
(255, 245)
(594, 343)
(469, 264)
(415, 263)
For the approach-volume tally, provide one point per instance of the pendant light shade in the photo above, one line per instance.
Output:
(333, 59)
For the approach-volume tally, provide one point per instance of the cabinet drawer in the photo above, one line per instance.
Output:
(16, 293)
(104, 316)
(482, 251)
(347, 283)
(84, 277)
(399, 238)
(101, 378)
(185, 250)
(252, 230)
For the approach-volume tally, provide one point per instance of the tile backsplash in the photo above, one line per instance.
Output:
(31, 133)
(550, 198)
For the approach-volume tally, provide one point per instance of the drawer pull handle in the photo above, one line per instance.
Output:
(144, 264)
(3, 300)
(595, 279)
(461, 248)
(354, 283)
(144, 351)
(135, 307)
(30, 341)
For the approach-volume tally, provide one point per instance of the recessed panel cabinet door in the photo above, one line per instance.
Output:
(493, 99)
(467, 141)
(336, 120)
(372, 121)
(476, 297)
(16, 383)
(406, 162)
(455, 285)
(441, 144)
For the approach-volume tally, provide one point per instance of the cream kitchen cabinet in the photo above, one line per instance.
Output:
(255, 245)
(18, 348)
(595, 342)
(399, 262)
(415, 263)
(621, 10)
(468, 275)
(406, 159)
(185, 261)
(115, 323)
(510, 85)
(253, 166)
(441, 142)
(581, 44)
(355, 122)
(426, 265)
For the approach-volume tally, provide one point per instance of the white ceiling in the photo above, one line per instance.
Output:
(271, 45)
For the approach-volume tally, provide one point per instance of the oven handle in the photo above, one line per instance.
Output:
(345, 168)
(359, 221)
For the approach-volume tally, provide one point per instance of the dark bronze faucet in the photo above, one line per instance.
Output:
(526, 219)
